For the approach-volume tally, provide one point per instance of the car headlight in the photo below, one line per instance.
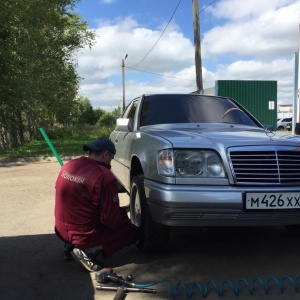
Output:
(214, 166)
(190, 163)
(166, 162)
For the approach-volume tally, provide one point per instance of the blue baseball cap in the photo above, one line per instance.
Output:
(100, 144)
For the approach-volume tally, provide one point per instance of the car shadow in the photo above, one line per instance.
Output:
(205, 256)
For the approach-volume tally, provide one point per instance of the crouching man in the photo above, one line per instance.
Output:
(88, 217)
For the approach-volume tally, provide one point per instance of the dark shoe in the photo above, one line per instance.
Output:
(67, 252)
(95, 256)
(88, 262)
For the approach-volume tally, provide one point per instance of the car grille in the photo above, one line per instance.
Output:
(273, 167)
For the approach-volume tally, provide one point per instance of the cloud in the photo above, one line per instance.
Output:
(246, 41)
(234, 10)
(101, 66)
(268, 34)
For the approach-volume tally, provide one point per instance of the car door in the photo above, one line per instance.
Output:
(122, 141)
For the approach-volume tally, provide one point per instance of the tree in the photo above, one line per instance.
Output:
(83, 112)
(107, 119)
(116, 112)
(38, 79)
(98, 113)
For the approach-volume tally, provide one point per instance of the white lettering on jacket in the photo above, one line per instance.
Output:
(71, 177)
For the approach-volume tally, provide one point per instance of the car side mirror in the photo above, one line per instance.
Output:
(125, 125)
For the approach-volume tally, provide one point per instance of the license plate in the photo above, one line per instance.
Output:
(272, 200)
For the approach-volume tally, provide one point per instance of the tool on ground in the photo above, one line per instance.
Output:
(107, 275)
(126, 289)
(102, 275)
(196, 286)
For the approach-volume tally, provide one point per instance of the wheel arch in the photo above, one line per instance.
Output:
(136, 168)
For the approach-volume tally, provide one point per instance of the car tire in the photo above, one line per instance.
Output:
(280, 128)
(154, 236)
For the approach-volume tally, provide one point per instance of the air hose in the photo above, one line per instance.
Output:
(44, 134)
(235, 287)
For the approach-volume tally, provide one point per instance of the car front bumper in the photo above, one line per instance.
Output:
(189, 205)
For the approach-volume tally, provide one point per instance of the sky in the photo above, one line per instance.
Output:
(240, 40)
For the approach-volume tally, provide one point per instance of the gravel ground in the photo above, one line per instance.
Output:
(31, 264)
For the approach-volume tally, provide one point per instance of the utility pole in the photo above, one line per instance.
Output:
(197, 46)
(123, 84)
(296, 106)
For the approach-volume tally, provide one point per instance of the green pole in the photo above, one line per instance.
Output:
(51, 145)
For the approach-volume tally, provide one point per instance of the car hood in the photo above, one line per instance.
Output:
(227, 135)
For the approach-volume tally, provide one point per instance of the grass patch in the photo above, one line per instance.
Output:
(67, 142)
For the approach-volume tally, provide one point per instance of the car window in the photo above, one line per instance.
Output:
(130, 110)
(286, 120)
(164, 109)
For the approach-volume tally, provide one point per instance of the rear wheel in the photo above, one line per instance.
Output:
(154, 236)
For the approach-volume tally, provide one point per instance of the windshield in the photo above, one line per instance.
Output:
(191, 108)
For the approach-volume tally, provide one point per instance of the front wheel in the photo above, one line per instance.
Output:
(154, 236)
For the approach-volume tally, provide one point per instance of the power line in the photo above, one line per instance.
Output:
(160, 35)
(207, 6)
(167, 27)
(157, 74)
(132, 67)
(162, 74)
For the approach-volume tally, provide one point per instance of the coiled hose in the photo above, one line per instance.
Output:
(211, 285)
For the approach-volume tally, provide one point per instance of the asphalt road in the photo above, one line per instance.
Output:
(31, 264)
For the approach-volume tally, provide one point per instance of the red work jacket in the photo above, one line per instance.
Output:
(87, 203)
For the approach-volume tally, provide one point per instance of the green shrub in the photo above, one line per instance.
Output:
(66, 140)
